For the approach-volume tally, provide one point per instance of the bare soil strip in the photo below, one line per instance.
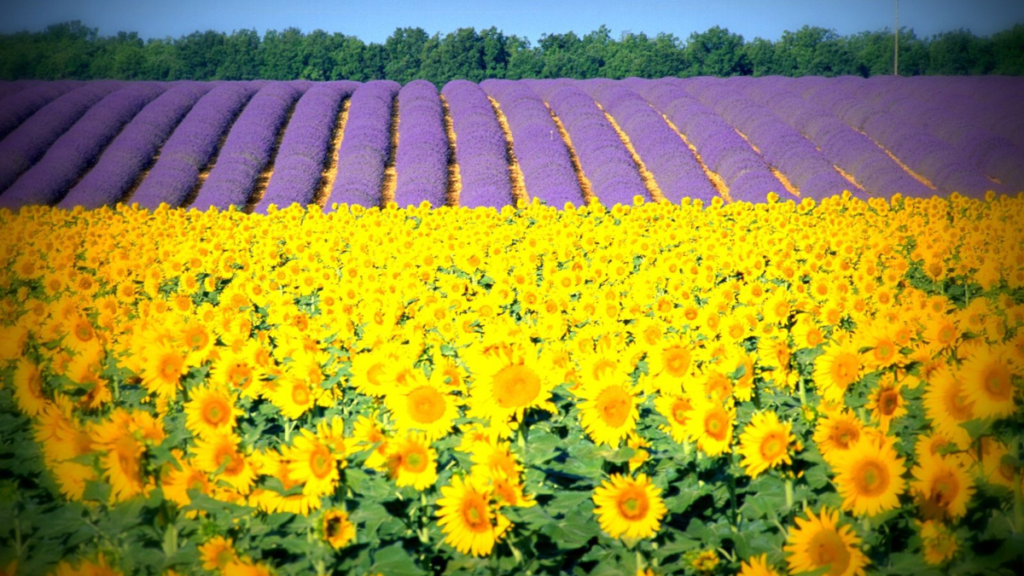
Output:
(515, 172)
(330, 171)
(905, 168)
(649, 182)
(260, 188)
(387, 193)
(588, 191)
(717, 181)
(775, 171)
(454, 176)
(849, 178)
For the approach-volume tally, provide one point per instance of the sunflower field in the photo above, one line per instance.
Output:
(791, 387)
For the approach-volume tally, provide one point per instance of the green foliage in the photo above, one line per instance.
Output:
(72, 50)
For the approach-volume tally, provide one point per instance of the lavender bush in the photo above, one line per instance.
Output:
(127, 156)
(662, 151)
(543, 157)
(480, 147)
(249, 146)
(421, 161)
(30, 141)
(366, 145)
(298, 167)
(74, 152)
(192, 145)
(22, 104)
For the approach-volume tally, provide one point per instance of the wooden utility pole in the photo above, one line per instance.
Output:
(896, 41)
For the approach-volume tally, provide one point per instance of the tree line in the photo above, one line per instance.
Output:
(72, 50)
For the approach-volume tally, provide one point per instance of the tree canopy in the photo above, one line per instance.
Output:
(71, 50)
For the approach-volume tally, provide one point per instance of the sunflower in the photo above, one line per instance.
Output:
(506, 383)
(312, 463)
(671, 361)
(412, 462)
(710, 425)
(629, 507)
(765, 443)
(221, 450)
(123, 453)
(423, 406)
(179, 477)
(373, 371)
(757, 566)
(234, 370)
(947, 405)
(338, 530)
(870, 477)
(294, 397)
(467, 517)
(837, 369)
(886, 402)
(943, 487)
(210, 411)
(608, 411)
(677, 410)
(162, 371)
(837, 434)
(72, 477)
(994, 470)
(290, 501)
(939, 542)
(217, 552)
(987, 382)
(818, 542)
(28, 388)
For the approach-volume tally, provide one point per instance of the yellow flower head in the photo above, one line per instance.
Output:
(629, 507)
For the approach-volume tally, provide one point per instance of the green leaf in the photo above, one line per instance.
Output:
(395, 561)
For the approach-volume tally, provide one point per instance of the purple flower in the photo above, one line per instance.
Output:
(127, 156)
(192, 145)
(543, 157)
(299, 165)
(249, 146)
(67, 159)
(30, 141)
(480, 147)
(365, 145)
(421, 161)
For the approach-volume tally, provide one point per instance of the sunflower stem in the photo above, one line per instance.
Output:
(803, 392)
(789, 494)
(639, 562)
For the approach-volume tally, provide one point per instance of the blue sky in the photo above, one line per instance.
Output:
(375, 21)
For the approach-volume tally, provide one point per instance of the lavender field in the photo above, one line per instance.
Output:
(262, 143)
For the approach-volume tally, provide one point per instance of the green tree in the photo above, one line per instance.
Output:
(716, 52)
(812, 51)
(760, 55)
(1008, 51)
(201, 54)
(242, 56)
(959, 52)
(403, 52)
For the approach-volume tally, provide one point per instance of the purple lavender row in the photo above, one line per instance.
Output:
(604, 159)
(779, 144)
(543, 157)
(249, 146)
(79, 148)
(421, 161)
(20, 106)
(855, 153)
(925, 154)
(192, 145)
(127, 156)
(959, 121)
(723, 151)
(365, 146)
(662, 151)
(480, 146)
(9, 88)
(29, 141)
(299, 165)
